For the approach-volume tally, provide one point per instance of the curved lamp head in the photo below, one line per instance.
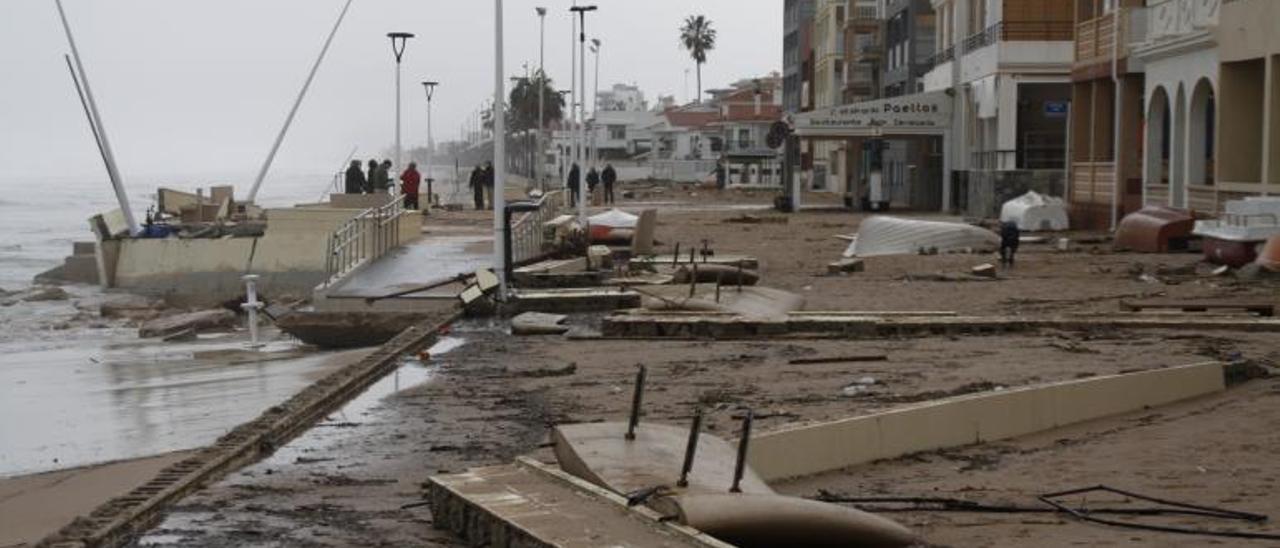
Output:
(431, 88)
(398, 42)
(541, 11)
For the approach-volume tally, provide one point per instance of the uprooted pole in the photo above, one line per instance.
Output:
(637, 399)
(100, 131)
(691, 449)
(740, 467)
(288, 121)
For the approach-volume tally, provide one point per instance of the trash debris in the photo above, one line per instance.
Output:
(882, 235)
(1154, 229)
(204, 320)
(537, 323)
(841, 359)
(1035, 212)
(749, 219)
(846, 265)
(985, 270)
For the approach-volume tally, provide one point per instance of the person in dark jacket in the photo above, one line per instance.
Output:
(477, 187)
(593, 181)
(355, 179)
(409, 182)
(370, 181)
(1009, 237)
(574, 183)
(488, 181)
(608, 177)
(384, 177)
(721, 176)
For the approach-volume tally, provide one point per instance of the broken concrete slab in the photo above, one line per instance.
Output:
(817, 448)
(36, 294)
(204, 320)
(128, 305)
(985, 270)
(642, 240)
(538, 323)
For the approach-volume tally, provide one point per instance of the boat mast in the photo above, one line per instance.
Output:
(100, 131)
(262, 173)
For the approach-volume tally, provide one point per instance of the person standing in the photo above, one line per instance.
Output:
(409, 182)
(721, 176)
(355, 179)
(1010, 237)
(477, 187)
(608, 177)
(593, 180)
(575, 184)
(488, 181)
(384, 177)
(371, 181)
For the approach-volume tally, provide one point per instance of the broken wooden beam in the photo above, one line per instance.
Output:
(839, 359)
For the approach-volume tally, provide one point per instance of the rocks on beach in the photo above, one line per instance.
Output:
(204, 320)
(35, 294)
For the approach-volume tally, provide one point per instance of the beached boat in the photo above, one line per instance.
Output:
(1235, 238)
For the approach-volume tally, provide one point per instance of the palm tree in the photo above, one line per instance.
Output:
(698, 37)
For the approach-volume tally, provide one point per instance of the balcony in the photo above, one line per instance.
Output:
(1096, 38)
(1021, 31)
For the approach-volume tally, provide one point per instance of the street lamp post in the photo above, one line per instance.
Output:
(398, 42)
(430, 87)
(582, 105)
(595, 107)
(542, 84)
(499, 157)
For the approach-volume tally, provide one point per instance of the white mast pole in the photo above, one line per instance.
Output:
(266, 166)
(499, 156)
(112, 171)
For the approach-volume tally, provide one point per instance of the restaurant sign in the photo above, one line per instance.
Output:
(919, 113)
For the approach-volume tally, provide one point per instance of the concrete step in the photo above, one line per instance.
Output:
(528, 504)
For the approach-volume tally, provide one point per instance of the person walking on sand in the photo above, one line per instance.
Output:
(370, 182)
(574, 182)
(720, 175)
(1010, 235)
(476, 182)
(355, 179)
(608, 177)
(409, 182)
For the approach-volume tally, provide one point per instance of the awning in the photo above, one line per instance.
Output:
(919, 114)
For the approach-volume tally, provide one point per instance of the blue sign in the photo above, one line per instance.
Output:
(1056, 109)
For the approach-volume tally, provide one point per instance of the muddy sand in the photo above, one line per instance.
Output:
(346, 481)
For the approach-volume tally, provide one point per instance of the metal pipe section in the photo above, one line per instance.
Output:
(740, 467)
(288, 121)
(637, 399)
(113, 172)
(691, 449)
(499, 156)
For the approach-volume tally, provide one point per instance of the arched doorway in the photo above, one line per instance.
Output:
(1157, 147)
(1200, 135)
(1178, 167)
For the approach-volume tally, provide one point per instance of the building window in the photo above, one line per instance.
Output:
(617, 133)
(744, 138)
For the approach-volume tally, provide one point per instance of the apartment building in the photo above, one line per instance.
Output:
(1248, 124)
(822, 159)
(1008, 64)
(747, 113)
(1107, 113)
(796, 48)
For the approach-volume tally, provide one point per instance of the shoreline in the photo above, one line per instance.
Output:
(34, 506)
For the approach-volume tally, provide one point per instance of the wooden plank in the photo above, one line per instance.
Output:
(1261, 308)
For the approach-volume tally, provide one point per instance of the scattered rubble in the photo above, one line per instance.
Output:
(204, 320)
(538, 323)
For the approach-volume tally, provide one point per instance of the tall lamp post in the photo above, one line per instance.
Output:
(398, 42)
(430, 87)
(582, 105)
(542, 84)
(499, 157)
(595, 107)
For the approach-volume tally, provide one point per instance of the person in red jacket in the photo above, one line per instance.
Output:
(409, 182)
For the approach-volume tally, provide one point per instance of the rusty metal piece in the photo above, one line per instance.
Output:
(691, 449)
(740, 467)
(637, 398)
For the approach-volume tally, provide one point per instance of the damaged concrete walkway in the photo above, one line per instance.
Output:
(439, 255)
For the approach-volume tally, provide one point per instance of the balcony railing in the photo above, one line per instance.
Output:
(939, 58)
(1096, 38)
(1021, 31)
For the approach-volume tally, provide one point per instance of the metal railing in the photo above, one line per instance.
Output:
(362, 239)
(527, 234)
(941, 57)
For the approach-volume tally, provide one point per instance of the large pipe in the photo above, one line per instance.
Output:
(93, 126)
(112, 171)
(266, 166)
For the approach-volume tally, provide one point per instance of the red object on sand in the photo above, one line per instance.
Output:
(1154, 229)
(1269, 258)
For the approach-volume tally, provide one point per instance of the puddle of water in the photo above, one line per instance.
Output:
(338, 425)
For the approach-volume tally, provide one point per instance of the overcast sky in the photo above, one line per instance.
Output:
(202, 86)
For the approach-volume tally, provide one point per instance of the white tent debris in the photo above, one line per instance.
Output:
(614, 218)
(1034, 211)
(881, 235)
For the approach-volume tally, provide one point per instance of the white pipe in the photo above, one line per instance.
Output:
(542, 85)
(1117, 116)
(251, 307)
(595, 111)
(583, 195)
(499, 157)
(113, 172)
(262, 173)
(573, 102)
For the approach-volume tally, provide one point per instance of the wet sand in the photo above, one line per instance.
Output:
(344, 482)
(34, 506)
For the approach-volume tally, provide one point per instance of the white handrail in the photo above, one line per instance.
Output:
(363, 238)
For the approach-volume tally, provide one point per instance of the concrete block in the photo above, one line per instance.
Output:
(81, 269)
(83, 248)
(986, 270)
(817, 448)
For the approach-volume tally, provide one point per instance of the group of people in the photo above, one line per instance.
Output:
(574, 183)
(378, 180)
